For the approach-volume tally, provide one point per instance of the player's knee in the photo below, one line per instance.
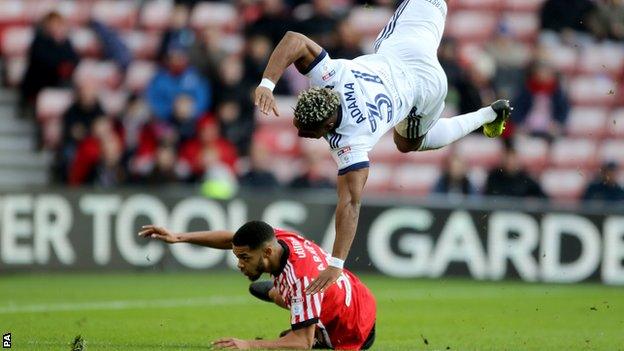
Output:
(405, 145)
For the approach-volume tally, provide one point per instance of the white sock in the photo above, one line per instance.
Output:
(448, 130)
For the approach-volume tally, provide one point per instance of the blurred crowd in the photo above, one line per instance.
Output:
(194, 122)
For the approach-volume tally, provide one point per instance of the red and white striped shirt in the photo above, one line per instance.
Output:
(345, 313)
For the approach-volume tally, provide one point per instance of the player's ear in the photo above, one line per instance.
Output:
(268, 250)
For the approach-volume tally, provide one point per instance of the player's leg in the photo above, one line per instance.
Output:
(445, 131)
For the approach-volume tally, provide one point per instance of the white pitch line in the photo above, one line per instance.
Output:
(125, 304)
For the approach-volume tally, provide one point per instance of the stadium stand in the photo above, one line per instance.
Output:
(592, 73)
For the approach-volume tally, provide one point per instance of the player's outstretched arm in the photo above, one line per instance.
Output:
(349, 187)
(217, 239)
(293, 48)
(300, 339)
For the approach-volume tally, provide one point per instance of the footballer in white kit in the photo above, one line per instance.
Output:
(353, 103)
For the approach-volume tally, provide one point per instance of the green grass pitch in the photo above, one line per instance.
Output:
(154, 311)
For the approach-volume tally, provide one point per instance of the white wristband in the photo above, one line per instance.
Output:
(267, 83)
(335, 262)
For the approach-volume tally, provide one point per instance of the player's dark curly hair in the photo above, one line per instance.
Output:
(316, 105)
(253, 234)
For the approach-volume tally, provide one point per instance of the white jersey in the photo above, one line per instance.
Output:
(380, 91)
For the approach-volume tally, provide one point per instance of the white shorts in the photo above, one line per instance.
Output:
(412, 36)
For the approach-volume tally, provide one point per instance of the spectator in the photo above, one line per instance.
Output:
(462, 92)
(607, 21)
(183, 117)
(258, 176)
(315, 176)
(541, 107)
(273, 21)
(605, 186)
(510, 57)
(347, 41)
(232, 86)
(219, 180)
(235, 127)
(454, 180)
(192, 152)
(257, 52)
(110, 171)
(134, 118)
(178, 34)
(321, 25)
(163, 171)
(113, 46)
(175, 79)
(509, 179)
(207, 53)
(559, 15)
(51, 59)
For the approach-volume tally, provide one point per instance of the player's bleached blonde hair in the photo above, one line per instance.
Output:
(316, 105)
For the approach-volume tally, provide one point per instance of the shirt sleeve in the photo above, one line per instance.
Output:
(322, 71)
(350, 158)
(305, 310)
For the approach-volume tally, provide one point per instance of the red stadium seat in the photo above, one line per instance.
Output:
(15, 69)
(214, 14)
(13, 12)
(523, 5)
(564, 184)
(471, 25)
(593, 90)
(279, 141)
(478, 150)
(522, 25)
(587, 122)
(75, 12)
(85, 42)
(474, 4)
(115, 13)
(51, 104)
(478, 177)
(139, 74)
(380, 176)
(385, 150)
(602, 59)
(144, 45)
(612, 150)
(16, 41)
(415, 179)
(103, 73)
(579, 153)
(369, 21)
(532, 152)
(285, 168)
(155, 15)
(312, 146)
(561, 57)
(436, 157)
(615, 123)
(113, 101)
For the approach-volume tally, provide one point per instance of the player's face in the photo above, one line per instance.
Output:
(250, 262)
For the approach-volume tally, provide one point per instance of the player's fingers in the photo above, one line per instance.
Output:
(275, 110)
(314, 287)
(145, 233)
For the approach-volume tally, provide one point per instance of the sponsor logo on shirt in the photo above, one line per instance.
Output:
(297, 305)
(344, 155)
(327, 73)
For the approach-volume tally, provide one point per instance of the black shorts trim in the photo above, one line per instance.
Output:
(304, 324)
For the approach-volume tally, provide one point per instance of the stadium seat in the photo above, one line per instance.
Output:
(593, 90)
(532, 152)
(281, 141)
(561, 57)
(113, 101)
(51, 104)
(522, 5)
(385, 150)
(478, 177)
(415, 179)
(471, 25)
(612, 150)
(75, 12)
(13, 12)
(16, 41)
(214, 14)
(602, 59)
(115, 13)
(85, 42)
(232, 44)
(564, 184)
(103, 73)
(139, 74)
(369, 21)
(312, 146)
(285, 106)
(521, 25)
(380, 177)
(144, 45)
(474, 4)
(15, 69)
(615, 123)
(579, 153)
(437, 157)
(590, 122)
(155, 14)
(285, 168)
(478, 150)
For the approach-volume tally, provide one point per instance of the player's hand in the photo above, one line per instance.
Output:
(160, 233)
(265, 101)
(324, 280)
(231, 343)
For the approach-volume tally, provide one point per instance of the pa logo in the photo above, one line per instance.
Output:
(6, 341)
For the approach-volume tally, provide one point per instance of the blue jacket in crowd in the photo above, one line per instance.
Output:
(165, 87)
